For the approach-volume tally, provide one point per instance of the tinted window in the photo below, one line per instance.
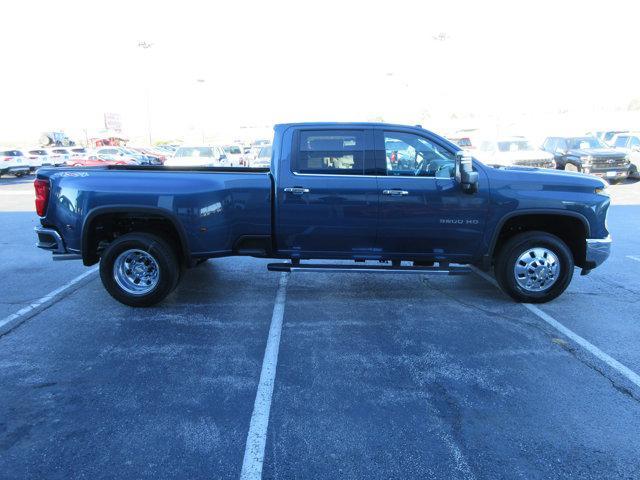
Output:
(621, 141)
(233, 150)
(408, 154)
(549, 144)
(608, 136)
(331, 152)
(635, 142)
(584, 142)
(38, 152)
(561, 145)
(12, 153)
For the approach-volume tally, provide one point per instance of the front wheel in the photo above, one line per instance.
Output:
(139, 269)
(534, 267)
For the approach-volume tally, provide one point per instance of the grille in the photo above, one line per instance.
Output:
(608, 162)
(542, 163)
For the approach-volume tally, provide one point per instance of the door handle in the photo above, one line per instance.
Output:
(395, 192)
(297, 190)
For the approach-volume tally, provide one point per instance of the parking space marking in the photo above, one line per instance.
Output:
(625, 371)
(257, 436)
(15, 319)
(634, 257)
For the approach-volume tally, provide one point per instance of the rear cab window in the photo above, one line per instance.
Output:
(333, 152)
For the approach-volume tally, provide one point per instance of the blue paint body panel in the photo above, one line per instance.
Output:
(341, 216)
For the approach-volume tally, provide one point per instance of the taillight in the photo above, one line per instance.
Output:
(42, 196)
(7, 159)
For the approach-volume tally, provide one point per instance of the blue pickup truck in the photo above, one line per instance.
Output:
(388, 198)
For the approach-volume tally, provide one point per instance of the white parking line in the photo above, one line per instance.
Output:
(15, 319)
(634, 257)
(257, 436)
(632, 376)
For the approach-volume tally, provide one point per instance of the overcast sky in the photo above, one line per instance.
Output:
(66, 63)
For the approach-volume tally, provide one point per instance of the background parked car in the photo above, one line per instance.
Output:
(587, 154)
(39, 158)
(59, 155)
(122, 153)
(198, 156)
(263, 159)
(463, 142)
(77, 152)
(629, 143)
(97, 161)
(157, 157)
(13, 162)
(235, 155)
(506, 151)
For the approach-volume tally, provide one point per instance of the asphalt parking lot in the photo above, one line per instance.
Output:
(378, 376)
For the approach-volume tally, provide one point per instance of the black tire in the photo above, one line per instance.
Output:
(519, 244)
(156, 247)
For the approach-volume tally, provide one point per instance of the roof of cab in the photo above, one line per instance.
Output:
(345, 124)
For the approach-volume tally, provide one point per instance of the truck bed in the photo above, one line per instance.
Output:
(213, 208)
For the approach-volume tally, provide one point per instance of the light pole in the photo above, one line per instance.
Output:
(146, 46)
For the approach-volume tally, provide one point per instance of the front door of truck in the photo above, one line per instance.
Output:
(326, 197)
(423, 211)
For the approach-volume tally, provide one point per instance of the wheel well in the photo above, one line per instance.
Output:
(105, 228)
(570, 230)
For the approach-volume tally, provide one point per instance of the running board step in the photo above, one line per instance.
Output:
(328, 268)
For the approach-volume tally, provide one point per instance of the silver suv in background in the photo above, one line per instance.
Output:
(509, 151)
(629, 143)
(263, 159)
(198, 156)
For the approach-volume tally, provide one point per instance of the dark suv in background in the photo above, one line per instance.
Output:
(587, 154)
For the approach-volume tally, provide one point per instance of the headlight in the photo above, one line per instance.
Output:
(586, 160)
(602, 190)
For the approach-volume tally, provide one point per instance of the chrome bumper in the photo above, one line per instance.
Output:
(598, 250)
(50, 239)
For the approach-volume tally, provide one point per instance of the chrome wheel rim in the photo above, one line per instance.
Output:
(136, 272)
(536, 270)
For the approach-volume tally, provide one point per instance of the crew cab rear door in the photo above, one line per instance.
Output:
(326, 193)
(423, 211)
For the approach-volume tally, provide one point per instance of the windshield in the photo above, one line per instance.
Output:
(580, 143)
(621, 141)
(194, 152)
(514, 146)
